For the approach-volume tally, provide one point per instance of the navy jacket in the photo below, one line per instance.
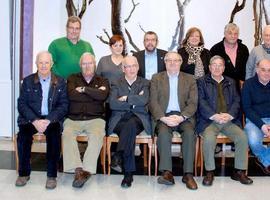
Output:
(135, 103)
(30, 100)
(207, 103)
(256, 100)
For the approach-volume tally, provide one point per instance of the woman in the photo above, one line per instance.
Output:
(110, 66)
(195, 56)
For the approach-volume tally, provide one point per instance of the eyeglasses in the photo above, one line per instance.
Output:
(74, 28)
(173, 61)
(85, 64)
(130, 66)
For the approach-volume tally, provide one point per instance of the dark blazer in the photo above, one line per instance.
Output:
(207, 106)
(30, 100)
(159, 95)
(141, 60)
(135, 103)
(238, 71)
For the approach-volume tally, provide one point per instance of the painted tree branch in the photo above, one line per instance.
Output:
(267, 20)
(102, 40)
(83, 9)
(237, 8)
(90, 1)
(174, 42)
(71, 9)
(131, 41)
(115, 18)
(142, 28)
(133, 9)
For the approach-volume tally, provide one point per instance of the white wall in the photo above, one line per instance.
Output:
(158, 15)
(5, 81)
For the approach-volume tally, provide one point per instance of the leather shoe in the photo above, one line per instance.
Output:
(266, 170)
(166, 178)
(208, 179)
(116, 163)
(240, 175)
(22, 180)
(80, 178)
(189, 181)
(51, 183)
(127, 180)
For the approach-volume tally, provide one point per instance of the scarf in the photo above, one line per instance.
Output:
(194, 57)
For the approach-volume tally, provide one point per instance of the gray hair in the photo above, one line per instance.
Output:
(215, 58)
(231, 26)
(44, 52)
(172, 52)
(87, 54)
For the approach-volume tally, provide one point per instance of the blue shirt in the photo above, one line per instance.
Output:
(150, 64)
(173, 97)
(45, 85)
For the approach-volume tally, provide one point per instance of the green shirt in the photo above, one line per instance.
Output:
(66, 56)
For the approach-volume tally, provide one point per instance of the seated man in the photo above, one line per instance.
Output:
(87, 93)
(173, 103)
(42, 105)
(128, 99)
(218, 112)
(256, 105)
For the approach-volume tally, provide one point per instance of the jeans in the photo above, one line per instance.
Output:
(255, 139)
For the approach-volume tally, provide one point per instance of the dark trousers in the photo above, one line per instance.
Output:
(127, 129)
(25, 139)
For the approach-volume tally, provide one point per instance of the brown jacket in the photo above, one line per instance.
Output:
(159, 95)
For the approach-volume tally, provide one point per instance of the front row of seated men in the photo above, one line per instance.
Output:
(172, 98)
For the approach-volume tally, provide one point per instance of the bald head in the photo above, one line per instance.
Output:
(263, 71)
(130, 67)
(266, 36)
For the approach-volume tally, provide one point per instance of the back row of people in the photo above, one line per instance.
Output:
(87, 92)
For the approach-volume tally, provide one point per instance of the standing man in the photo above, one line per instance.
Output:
(258, 53)
(218, 111)
(173, 103)
(234, 53)
(42, 105)
(128, 101)
(256, 105)
(151, 60)
(87, 93)
(66, 51)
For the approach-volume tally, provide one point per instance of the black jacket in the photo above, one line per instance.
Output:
(30, 100)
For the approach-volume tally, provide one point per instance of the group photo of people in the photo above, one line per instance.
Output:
(133, 106)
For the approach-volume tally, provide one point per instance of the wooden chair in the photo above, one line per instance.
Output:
(41, 138)
(142, 138)
(176, 139)
(221, 139)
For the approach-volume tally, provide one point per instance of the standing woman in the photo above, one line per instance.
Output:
(195, 57)
(110, 66)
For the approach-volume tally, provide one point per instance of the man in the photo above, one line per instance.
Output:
(87, 93)
(258, 53)
(256, 105)
(66, 51)
(128, 101)
(173, 103)
(42, 105)
(218, 112)
(234, 53)
(151, 60)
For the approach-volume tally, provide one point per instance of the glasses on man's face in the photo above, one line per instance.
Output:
(264, 70)
(87, 64)
(217, 65)
(172, 61)
(74, 28)
(130, 66)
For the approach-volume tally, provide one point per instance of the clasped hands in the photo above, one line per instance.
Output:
(41, 124)
(266, 130)
(172, 120)
(222, 118)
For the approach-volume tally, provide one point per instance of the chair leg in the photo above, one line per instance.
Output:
(144, 155)
(201, 157)
(16, 152)
(109, 155)
(149, 156)
(196, 156)
(223, 155)
(103, 156)
(156, 156)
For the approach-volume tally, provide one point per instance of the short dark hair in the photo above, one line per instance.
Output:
(116, 38)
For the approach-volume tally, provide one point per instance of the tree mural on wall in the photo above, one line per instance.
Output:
(119, 27)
